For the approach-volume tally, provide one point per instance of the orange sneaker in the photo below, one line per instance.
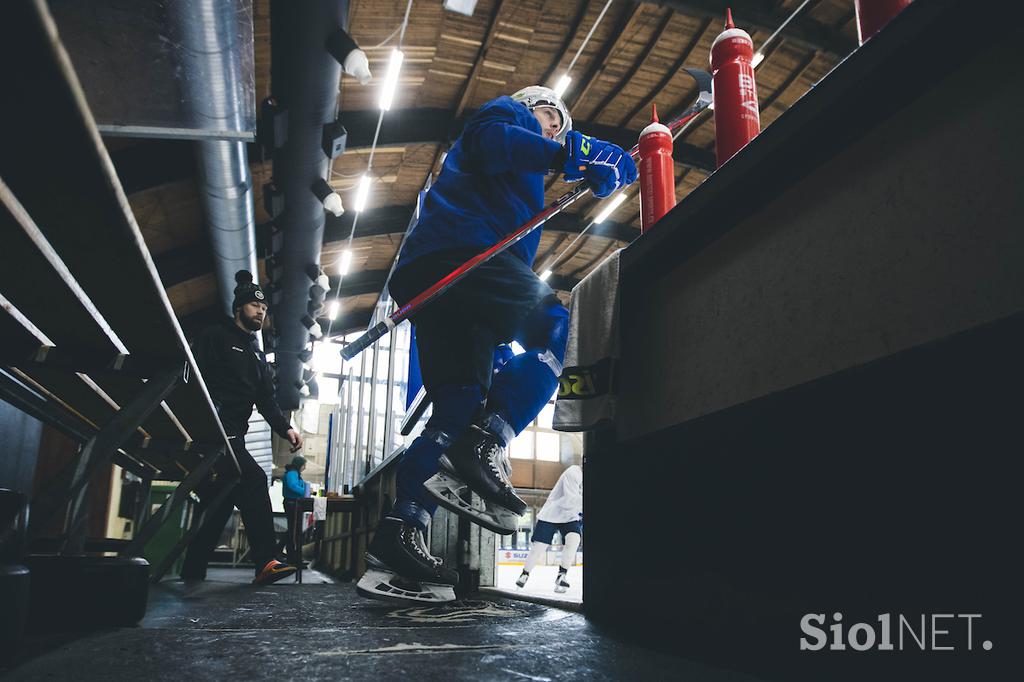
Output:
(273, 571)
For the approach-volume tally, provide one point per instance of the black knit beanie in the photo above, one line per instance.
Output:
(246, 291)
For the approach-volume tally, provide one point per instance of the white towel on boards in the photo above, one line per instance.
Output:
(586, 390)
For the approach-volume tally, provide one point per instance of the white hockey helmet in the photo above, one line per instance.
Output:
(538, 96)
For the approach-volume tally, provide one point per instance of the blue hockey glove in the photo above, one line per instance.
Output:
(605, 166)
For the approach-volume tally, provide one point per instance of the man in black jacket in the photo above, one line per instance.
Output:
(237, 375)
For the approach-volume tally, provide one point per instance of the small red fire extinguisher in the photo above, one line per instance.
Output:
(657, 172)
(737, 113)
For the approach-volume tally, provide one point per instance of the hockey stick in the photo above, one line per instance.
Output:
(353, 349)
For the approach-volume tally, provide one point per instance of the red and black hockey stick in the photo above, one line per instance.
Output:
(419, 302)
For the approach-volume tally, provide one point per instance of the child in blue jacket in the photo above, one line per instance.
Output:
(491, 182)
(294, 488)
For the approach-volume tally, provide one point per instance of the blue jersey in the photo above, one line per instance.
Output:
(492, 181)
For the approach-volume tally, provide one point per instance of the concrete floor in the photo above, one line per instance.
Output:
(226, 629)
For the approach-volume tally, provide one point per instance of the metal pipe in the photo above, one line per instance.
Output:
(211, 54)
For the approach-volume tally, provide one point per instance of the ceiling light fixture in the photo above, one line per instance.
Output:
(362, 193)
(387, 93)
(565, 80)
(562, 85)
(609, 208)
(345, 262)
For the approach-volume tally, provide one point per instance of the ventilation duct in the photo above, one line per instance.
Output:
(304, 80)
(210, 54)
(210, 72)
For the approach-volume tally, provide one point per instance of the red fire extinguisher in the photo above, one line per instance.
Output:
(737, 115)
(657, 172)
(874, 14)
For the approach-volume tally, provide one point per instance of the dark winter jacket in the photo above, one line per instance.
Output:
(236, 372)
(492, 181)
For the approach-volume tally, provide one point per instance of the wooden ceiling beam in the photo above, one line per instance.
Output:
(752, 15)
(543, 257)
(567, 255)
(563, 51)
(601, 61)
(401, 126)
(790, 79)
(352, 321)
(393, 219)
(151, 163)
(669, 75)
(467, 89)
(659, 32)
(575, 273)
(358, 283)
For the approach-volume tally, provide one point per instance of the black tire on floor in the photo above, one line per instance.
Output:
(86, 592)
(14, 591)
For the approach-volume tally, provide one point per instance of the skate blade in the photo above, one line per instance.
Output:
(448, 490)
(386, 586)
(560, 589)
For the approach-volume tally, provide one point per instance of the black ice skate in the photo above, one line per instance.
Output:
(476, 461)
(523, 577)
(399, 567)
(561, 584)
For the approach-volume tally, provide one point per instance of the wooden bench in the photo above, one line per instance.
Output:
(91, 344)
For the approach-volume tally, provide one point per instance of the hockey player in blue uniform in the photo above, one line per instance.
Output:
(491, 182)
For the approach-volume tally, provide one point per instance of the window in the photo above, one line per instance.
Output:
(548, 446)
(522, 446)
(538, 440)
(546, 416)
(327, 358)
(328, 389)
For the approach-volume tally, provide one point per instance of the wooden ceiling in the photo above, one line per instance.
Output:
(453, 64)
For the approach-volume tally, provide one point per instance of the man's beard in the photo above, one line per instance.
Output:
(251, 324)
